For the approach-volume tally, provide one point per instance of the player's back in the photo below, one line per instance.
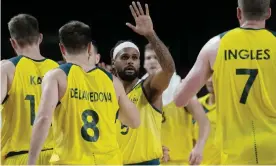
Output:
(177, 133)
(21, 104)
(84, 121)
(244, 83)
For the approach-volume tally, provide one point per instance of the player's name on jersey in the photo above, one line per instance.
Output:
(35, 80)
(258, 54)
(90, 96)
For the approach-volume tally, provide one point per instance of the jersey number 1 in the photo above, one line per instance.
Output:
(252, 76)
(31, 98)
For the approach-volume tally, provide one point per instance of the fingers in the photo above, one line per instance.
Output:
(140, 8)
(132, 12)
(195, 159)
(136, 9)
(131, 26)
(198, 160)
(165, 148)
(192, 159)
(147, 9)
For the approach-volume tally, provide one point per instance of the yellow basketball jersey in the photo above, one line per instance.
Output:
(84, 121)
(177, 131)
(211, 153)
(244, 83)
(21, 104)
(144, 143)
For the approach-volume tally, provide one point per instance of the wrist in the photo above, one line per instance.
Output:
(200, 145)
(150, 35)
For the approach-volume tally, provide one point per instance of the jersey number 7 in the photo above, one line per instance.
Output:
(252, 76)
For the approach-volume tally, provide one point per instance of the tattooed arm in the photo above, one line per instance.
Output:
(161, 79)
(157, 83)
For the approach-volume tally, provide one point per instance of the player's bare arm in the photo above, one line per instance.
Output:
(7, 74)
(52, 90)
(199, 74)
(157, 83)
(196, 109)
(128, 113)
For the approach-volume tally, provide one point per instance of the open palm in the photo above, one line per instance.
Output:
(143, 21)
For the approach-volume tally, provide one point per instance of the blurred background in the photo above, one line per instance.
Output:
(184, 26)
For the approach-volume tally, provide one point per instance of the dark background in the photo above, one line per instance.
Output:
(185, 26)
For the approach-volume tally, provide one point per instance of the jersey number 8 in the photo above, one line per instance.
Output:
(90, 125)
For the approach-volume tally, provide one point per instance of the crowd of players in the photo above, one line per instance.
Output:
(84, 112)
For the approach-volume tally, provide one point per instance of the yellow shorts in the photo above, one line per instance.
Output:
(22, 159)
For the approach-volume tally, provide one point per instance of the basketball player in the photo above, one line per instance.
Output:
(86, 100)
(177, 127)
(242, 61)
(142, 145)
(211, 153)
(21, 78)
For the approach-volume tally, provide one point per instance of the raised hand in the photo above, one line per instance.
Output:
(143, 21)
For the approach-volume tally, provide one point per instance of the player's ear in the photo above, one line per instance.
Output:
(239, 13)
(40, 38)
(14, 44)
(112, 62)
(62, 49)
(90, 48)
(268, 14)
(98, 58)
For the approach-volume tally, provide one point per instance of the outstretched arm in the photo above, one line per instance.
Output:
(144, 26)
(48, 102)
(199, 74)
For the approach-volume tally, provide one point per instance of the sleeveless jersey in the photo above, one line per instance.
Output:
(84, 121)
(211, 153)
(21, 104)
(244, 83)
(144, 143)
(177, 133)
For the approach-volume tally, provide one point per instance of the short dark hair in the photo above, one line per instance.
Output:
(75, 36)
(24, 29)
(254, 9)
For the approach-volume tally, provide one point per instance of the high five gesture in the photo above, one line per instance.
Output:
(142, 19)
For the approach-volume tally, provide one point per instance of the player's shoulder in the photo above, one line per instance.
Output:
(11, 63)
(56, 74)
(65, 68)
(272, 32)
(50, 61)
(8, 65)
(227, 32)
(107, 73)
